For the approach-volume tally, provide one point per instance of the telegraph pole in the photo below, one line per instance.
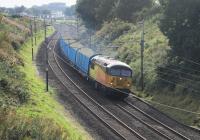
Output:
(45, 33)
(142, 56)
(31, 26)
(35, 30)
(46, 69)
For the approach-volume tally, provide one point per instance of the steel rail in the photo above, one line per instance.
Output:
(148, 116)
(157, 121)
(143, 122)
(165, 126)
(81, 102)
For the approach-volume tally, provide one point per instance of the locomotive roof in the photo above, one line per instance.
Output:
(109, 62)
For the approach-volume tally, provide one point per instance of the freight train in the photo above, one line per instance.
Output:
(110, 75)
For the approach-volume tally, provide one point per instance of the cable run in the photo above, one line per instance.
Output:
(197, 91)
(171, 74)
(175, 70)
(172, 107)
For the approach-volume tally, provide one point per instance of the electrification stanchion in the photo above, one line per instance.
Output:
(142, 56)
(47, 57)
(47, 79)
(46, 51)
(35, 30)
(31, 26)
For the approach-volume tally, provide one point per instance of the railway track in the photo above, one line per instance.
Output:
(151, 113)
(151, 122)
(154, 123)
(108, 117)
(157, 130)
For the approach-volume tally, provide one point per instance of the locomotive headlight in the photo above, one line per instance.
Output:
(111, 83)
(128, 85)
(120, 79)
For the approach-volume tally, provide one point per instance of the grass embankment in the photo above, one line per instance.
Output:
(36, 114)
(45, 113)
(127, 37)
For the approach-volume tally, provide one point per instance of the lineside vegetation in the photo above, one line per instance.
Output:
(171, 62)
(26, 110)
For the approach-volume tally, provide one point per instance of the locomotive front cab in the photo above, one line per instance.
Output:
(120, 77)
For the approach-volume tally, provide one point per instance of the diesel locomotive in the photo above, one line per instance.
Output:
(104, 72)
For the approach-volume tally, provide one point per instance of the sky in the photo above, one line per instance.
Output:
(30, 3)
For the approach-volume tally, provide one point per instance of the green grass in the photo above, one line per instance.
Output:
(26, 110)
(42, 117)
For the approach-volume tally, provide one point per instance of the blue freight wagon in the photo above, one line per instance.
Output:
(83, 57)
(64, 47)
(78, 55)
(69, 51)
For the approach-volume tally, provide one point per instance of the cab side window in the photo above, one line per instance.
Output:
(92, 65)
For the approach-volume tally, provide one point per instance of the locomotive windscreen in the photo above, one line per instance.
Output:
(121, 72)
(126, 73)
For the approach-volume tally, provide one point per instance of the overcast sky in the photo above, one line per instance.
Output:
(30, 3)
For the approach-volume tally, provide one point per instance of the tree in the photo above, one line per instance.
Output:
(95, 12)
(19, 10)
(181, 25)
(126, 9)
(163, 3)
(86, 10)
(104, 10)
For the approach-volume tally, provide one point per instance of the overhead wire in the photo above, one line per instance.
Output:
(189, 60)
(175, 70)
(186, 68)
(171, 74)
(180, 85)
(189, 74)
(172, 107)
(164, 105)
(177, 83)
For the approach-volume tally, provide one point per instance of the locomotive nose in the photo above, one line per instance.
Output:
(120, 83)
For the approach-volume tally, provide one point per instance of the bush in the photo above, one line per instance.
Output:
(18, 127)
(3, 83)
(16, 16)
(111, 31)
(22, 94)
(12, 91)
(15, 45)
